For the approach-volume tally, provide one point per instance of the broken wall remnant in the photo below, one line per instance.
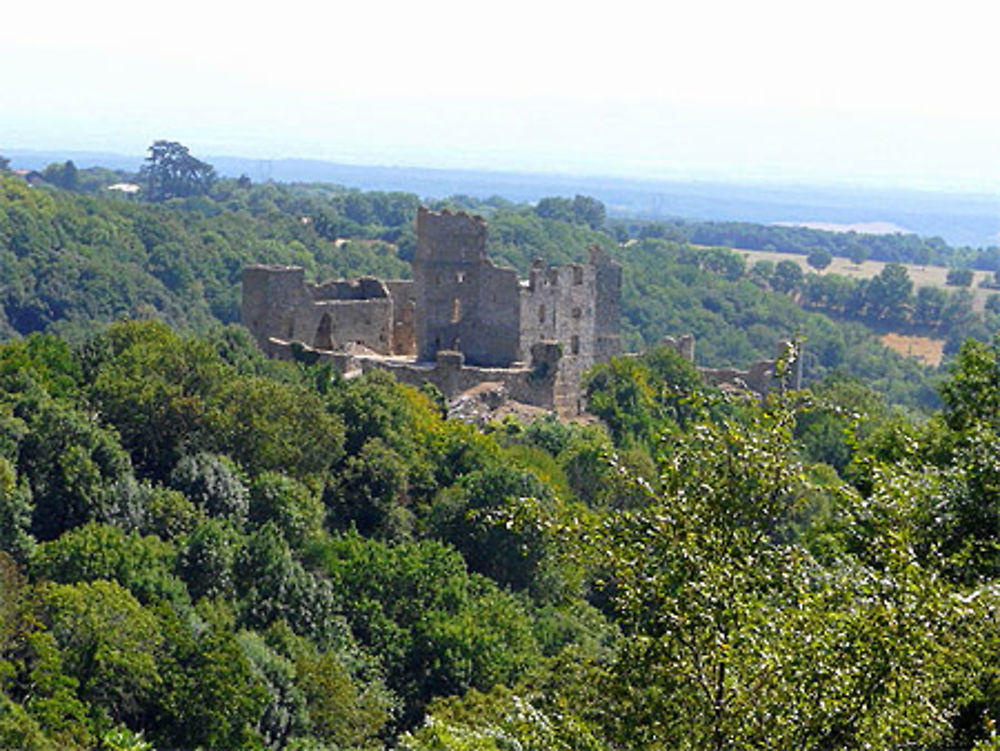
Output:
(782, 373)
(279, 304)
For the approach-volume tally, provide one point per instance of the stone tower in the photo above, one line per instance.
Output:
(272, 297)
(607, 301)
(464, 302)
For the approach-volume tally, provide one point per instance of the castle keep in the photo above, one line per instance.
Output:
(462, 321)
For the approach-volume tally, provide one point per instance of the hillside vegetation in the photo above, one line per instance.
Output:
(70, 259)
(203, 549)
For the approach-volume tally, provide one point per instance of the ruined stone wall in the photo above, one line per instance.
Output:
(762, 376)
(558, 304)
(467, 320)
(577, 307)
(365, 288)
(450, 373)
(464, 302)
(337, 324)
(494, 330)
(607, 305)
(272, 296)
(404, 316)
(682, 345)
(533, 384)
(558, 309)
(278, 303)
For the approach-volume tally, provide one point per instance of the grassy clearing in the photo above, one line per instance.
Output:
(924, 348)
(922, 276)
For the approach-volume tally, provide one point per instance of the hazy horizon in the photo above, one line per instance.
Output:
(889, 95)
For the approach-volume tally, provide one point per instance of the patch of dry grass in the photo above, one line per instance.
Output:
(922, 276)
(924, 348)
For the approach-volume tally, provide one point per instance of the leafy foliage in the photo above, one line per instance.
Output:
(200, 548)
(171, 172)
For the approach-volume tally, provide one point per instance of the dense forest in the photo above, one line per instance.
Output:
(78, 255)
(205, 549)
(201, 548)
(892, 248)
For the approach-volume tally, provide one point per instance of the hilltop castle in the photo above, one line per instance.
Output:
(461, 322)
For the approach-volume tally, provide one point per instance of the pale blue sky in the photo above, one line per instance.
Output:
(890, 93)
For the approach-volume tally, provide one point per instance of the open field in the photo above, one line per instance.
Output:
(922, 276)
(929, 351)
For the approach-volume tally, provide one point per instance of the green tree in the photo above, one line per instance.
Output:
(959, 277)
(211, 695)
(215, 484)
(289, 504)
(787, 276)
(438, 629)
(171, 172)
(16, 511)
(819, 258)
(888, 295)
(993, 304)
(62, 175)
(109, 643)
(930, 302)
(71, 463)
(274, 586)
(637, 397)
(143, 565)
(372, 493)
(588, 211)
(972, 393)
(207, 562)
(462, 515)
(735, 637)
(858, 253)
(762, 272)
(555, 208)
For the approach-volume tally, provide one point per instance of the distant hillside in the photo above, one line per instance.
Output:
(959, 218)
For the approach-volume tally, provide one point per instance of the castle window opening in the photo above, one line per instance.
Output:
(574, 344)
(578, 275)
(456, 310)
(541, 314)
(577, 312)
(460, 277)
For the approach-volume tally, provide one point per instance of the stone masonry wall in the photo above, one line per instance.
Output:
(404, 316)
(464, 302)
(467, 320)
(272, 295)
(279, 303)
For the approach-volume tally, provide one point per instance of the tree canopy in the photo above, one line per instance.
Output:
(171, 171)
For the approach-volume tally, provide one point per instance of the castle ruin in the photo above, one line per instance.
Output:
(469, 326)
(461, 322)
